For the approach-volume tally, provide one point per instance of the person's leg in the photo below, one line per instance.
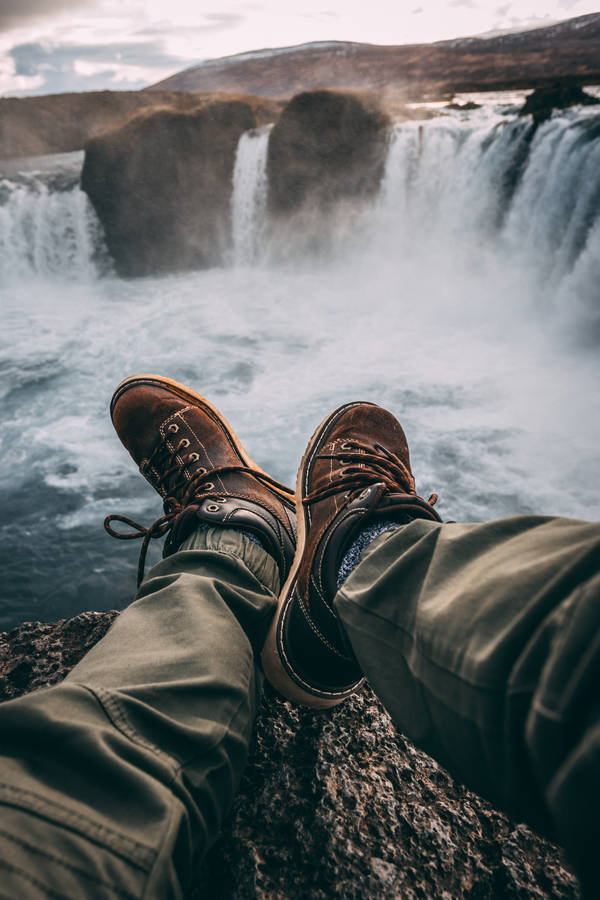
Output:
(114, 782)
(483, 642)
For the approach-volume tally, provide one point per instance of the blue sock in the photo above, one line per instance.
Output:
(360, 543)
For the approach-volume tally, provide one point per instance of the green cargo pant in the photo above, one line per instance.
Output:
(481, 640)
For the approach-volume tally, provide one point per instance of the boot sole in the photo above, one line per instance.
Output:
(275, 671)
(202, 403)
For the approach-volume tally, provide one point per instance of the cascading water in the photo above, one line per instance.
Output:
(449, 307)
(48, 228)
(249, 197)
(531, 200)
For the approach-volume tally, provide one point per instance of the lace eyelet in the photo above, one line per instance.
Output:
(194, 457)
(184, 443)
(173, 428)
(209, 486)
(212, 507)
(346, 446)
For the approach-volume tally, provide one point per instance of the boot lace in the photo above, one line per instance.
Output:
(181, 492)
(364, 466)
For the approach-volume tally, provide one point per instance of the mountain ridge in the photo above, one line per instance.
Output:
(527, 59)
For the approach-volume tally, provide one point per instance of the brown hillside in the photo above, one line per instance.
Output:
(569, 50)
(59, 123)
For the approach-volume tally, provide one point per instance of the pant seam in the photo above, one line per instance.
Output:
(222, 732)
(176, 801)
(30, 878)
(62, 862)
(21, 798)
(115, 713)
(166, 831)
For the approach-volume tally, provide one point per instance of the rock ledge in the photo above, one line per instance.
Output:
(332, 804)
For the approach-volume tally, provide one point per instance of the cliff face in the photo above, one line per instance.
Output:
(325, 147)
(325, 161)
(334, 804)
(161, 186)
(162, 183)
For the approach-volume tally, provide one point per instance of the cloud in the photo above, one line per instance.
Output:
(16, 13)
(220, 20)
(213, 22)
(58, 67)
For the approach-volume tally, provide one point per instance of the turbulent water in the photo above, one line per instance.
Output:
(466, 301)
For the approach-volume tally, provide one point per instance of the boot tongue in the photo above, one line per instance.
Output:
(348, 522)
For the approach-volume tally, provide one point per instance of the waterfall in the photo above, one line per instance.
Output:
(48, 229)
(494, 184)
(456, 186)
(249, 197)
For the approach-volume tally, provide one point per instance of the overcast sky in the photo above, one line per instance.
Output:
(48, 46)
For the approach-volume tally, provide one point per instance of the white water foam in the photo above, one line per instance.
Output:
(45, 232)
(451, 181)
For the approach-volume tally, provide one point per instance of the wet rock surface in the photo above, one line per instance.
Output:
(333, 804)
(541, 102)
(161, 186)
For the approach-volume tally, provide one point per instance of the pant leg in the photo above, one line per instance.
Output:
(114, 782)
(483, 642)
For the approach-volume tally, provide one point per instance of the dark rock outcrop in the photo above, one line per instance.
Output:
(161, 186)
(327, 146)
(326, 159)
(541, 102)
(463, 107)
(332, 804)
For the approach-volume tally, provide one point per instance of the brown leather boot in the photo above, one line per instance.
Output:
(356, 470)
(193, 458)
